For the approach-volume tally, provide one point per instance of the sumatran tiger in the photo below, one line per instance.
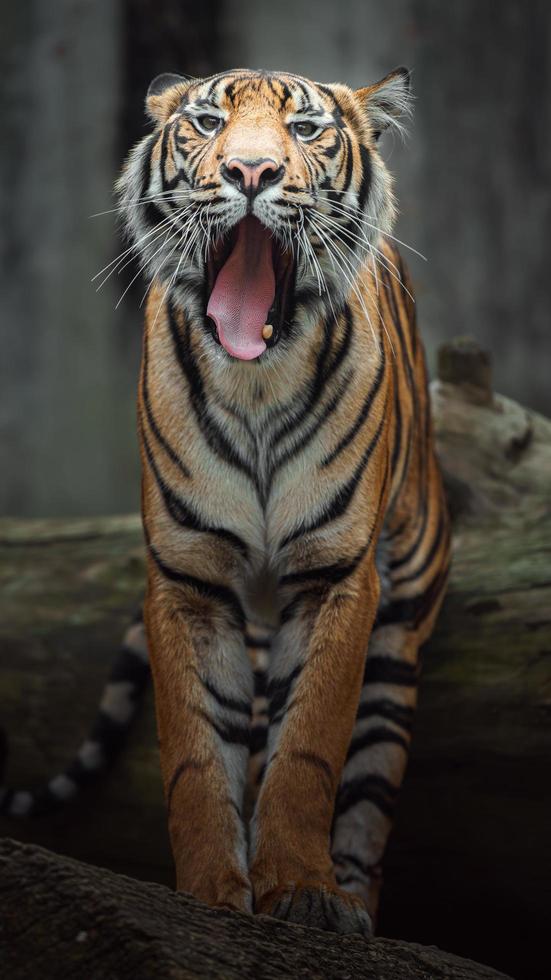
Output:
(296, 528)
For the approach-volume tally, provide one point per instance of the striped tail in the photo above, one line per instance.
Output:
(119, 703)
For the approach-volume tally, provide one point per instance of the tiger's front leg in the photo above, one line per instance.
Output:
(313, 694)
(203, 692)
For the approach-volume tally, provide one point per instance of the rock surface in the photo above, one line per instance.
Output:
(63, 920)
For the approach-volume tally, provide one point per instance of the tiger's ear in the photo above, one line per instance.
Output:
(387, 102)
(164, 95)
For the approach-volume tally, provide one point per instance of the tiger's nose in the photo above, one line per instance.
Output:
(252, 176)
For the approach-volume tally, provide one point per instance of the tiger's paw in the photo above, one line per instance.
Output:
(324, 907)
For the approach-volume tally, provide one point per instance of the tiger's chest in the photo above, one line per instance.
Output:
(265, 484)
(266, 455)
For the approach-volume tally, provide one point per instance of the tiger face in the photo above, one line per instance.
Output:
(257, 197)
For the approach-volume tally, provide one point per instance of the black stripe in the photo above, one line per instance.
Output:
(250, 641)
(164, 154)
(408, 301)
(390, 281)
(400, 714)
(214, 82)
(169, 183)
(325, 369)
(386, 670)
(278, 691)
(314, 429)
(241, 416)
(366, 176)
(376, 736)
(178, 772)
(319, 763)
(232, 704)
(372, 788)
(349, 163)
(397, 531)
(345, 344)
(409, 444)
(108, 733)
(397, 421)
(330, 574)
(338, 112)
(367, 870)
(286, 95)
(315, 390)
(307, 104)
(260, 682)
(229, 731)
(152, 216)
(145, 168)
(408, 555)
(171, 453)
(258, 739)
(273, 90)
(415, 609)
(441, 531)
(362, 414)
(229, 91)
(344, 495)
(183, 515)
(289, 610)
(212, 433)
(209, 590)
(331, 151)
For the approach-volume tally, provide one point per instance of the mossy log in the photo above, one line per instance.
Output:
(63, 920)
(471, 843)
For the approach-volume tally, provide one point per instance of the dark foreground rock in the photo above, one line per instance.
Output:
(64, 920)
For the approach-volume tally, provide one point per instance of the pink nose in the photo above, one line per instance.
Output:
(253, 174)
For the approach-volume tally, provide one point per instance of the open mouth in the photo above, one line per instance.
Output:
(250, 279)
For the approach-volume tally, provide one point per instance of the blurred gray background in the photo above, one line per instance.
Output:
(472, 180)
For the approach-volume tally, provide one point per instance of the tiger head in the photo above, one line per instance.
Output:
(258, 195)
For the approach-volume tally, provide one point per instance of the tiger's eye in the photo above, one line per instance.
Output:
(208, 123)
(305, 129)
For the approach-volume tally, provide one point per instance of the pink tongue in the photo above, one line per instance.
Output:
(244, 291)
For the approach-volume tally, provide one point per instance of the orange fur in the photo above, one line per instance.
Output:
(235, 523)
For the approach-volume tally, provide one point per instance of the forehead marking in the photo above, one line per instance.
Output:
(284, 95)
(305, 103)
(285, 88)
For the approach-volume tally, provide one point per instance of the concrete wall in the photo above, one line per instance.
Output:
(67, 441)
(473, 184)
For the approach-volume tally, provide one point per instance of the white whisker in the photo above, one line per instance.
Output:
(162, 197)
(357, 215)
(331, 248)
(196, 231)
(135, 246)
(382, 261)
(168, 238)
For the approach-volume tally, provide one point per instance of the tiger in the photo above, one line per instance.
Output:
(296, 529)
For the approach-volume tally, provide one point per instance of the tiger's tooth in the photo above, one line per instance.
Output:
(267, 331)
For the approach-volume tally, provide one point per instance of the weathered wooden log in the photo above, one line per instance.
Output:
(472, 826)
(63, 920)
